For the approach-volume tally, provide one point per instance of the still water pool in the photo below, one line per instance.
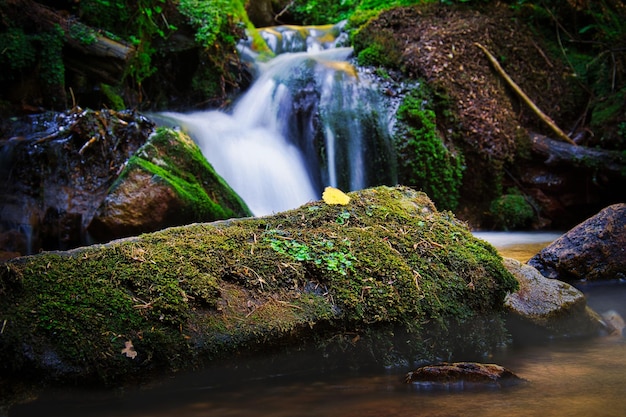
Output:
(569, 377)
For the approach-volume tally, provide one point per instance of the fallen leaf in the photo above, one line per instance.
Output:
(332, 196)
(129, 350)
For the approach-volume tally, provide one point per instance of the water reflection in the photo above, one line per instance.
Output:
(518, 245)
(568, 378)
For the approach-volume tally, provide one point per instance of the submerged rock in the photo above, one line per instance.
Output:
(386, 275)
(462, 375)
(593, 250)
(553, 306)
(614, 323)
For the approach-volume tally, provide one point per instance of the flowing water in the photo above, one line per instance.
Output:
(309, 120)
(571, 377)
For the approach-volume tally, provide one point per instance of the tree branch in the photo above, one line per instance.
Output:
(545, 118)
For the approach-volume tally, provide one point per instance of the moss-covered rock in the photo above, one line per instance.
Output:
(167, 182)
(386, 274)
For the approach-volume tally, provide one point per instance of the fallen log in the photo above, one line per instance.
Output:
(564, 154)
(91, 53)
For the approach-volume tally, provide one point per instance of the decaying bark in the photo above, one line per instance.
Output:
(94, 56)
(560, 153)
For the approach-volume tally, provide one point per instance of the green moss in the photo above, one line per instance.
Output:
(190, 294)
(511, 211)
(19, 53)
(115, 101)
(425, 161)
(175, 159)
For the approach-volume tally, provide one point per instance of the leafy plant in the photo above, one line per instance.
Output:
(323, 253)
(511, 211)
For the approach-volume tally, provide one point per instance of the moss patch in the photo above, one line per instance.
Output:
(176, 160)
(188, 295)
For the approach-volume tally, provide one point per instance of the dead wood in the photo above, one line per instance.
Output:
(544, 117)
(558, 153)
(95, 55)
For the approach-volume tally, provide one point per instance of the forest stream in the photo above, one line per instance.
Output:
(568, 376)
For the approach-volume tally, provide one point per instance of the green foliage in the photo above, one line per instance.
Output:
(212, 19)
(425, 161)
(319, 12)
(591, 37)
(323, 253)
(21, 51)
(53, 69)
(18, 53)
(511, 211)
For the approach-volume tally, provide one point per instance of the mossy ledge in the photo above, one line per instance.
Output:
(386, 274)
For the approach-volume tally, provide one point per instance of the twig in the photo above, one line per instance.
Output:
(560, 134)
(283, 11)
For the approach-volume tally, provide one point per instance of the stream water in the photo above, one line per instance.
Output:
(309, 120)
(570, 377)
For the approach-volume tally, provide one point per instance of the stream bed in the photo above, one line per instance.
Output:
(568, 377)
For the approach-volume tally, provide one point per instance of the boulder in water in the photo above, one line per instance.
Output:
(383, 277)
(550, 305)
(593, 250)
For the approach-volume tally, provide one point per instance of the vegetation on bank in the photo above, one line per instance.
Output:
(427, 163)
(177, 48)
(385, 275)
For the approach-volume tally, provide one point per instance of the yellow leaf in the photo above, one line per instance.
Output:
(332, 195)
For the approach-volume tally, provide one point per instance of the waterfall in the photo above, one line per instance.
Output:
(309, 120)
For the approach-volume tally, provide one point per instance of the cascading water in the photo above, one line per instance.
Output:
(308, 121)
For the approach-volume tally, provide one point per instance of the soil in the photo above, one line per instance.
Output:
(491, 124)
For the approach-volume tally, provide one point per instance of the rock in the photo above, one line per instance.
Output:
(554, 306)
(62, 173)
(385, 276)
(167, 182)
(55, 171)
(614, 323)
(593, 250)
(462, 375)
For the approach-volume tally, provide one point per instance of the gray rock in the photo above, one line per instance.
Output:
(593, 250)
(552, 305)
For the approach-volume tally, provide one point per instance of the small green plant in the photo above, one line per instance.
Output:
(323, 253)
(511, 211)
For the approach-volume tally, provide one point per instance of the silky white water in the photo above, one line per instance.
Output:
(309, 120)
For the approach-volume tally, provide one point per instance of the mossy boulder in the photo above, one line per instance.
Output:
(386, 274)
(166, 182)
